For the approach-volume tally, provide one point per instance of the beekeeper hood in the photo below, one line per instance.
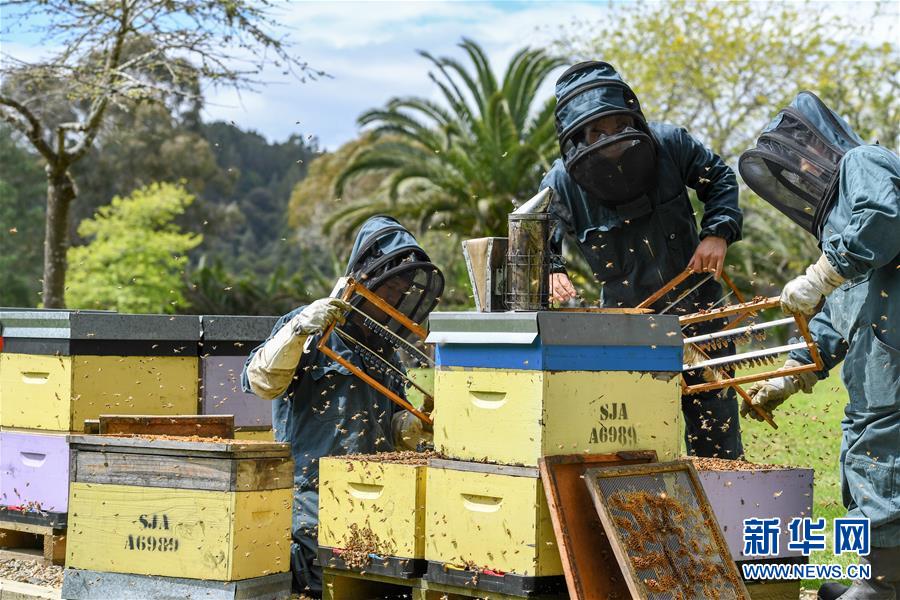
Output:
(606, 145)
(388, 260)
(795, 164)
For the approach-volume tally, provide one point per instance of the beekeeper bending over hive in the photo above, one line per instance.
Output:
(812, 167)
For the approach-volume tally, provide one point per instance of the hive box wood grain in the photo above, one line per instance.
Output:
(516, 416)
(491, 517)
(34, 470)
(194, 509)
(57, 393)
(386, 498)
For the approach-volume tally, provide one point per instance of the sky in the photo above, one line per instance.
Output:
(369, 51)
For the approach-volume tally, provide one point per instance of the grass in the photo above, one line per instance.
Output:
(808, 435)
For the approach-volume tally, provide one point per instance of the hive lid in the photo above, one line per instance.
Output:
(96, 325)
(237, 328)
(482, 328)
(187, 447)
(555, 328)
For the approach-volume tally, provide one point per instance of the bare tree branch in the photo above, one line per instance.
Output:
(29, 125)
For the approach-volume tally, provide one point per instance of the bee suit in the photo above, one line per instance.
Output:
(319, 407)
(812, 167)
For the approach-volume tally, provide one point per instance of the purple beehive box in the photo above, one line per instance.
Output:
(222, 393)
(225, 343)
(34, 470)
(737, 495)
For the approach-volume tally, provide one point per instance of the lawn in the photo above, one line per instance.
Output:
(808, 435)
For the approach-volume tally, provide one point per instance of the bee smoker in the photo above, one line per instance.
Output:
(528, 256)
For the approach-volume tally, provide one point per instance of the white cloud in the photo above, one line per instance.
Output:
(369, 48)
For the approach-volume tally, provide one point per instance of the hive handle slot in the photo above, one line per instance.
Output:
(484, 504)
(487, 400)
(35, 377)
(33, 459)
(366, 491)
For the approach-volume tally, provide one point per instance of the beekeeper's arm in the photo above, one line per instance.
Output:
(870, 180)
(271, 367)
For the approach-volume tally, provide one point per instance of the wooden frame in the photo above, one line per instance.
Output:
(356, 288)
(740, 298)
(635, 587)
(745, 309)
(583, 545)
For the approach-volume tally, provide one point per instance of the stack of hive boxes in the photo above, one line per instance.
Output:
(59, 368)
(154, 517)
(225, 342)
(513, 387)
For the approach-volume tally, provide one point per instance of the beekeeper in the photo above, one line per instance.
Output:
(319, 407)
(621, 197)
(810, 165)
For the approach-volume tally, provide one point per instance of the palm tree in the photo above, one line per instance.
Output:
(459, 165)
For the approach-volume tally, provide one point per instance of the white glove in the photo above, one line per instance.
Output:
(272, 368)
(771, 393)
(409, 432)
(316, 317)
(802, 294)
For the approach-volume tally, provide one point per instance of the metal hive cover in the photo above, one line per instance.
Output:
(663, 532)
(555, 328)
(97, 325)
(241, 328)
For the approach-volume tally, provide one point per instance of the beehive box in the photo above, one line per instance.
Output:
(266, 434)
(489, 526)
(739, 490)
(216, 510)
(225, 344)
(59, 368)
(517, 416)
(34, 470)
(373, 504)
(557, 341)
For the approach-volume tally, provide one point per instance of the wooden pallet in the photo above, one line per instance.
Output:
(32, 542)
(349, 585)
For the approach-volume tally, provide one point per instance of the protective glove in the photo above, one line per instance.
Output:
(771, 393)
(409, 432)
(271, 369)
(802, 294)
(316, 317)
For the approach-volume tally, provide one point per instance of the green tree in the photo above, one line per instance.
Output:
(119, 53)
(459, 165)
(722, 70)
(136, 256)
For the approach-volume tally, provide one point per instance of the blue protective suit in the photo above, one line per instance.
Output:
(327, 411)
(860, 324)
(634, 258)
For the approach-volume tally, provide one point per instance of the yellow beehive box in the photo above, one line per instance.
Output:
(379, 496)
(516, 416)
(250, 433)
(57, 393)
(195, 509)
(489, 517)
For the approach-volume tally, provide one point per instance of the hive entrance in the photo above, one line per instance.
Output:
(663, 532)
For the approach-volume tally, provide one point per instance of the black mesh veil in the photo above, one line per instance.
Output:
(796, 161)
